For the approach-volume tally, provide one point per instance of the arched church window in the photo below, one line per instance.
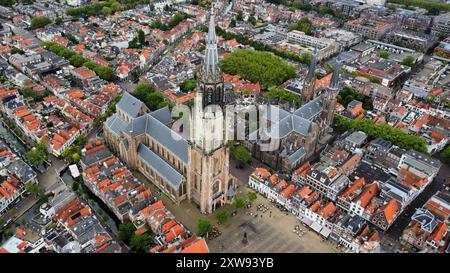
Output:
(216, 186)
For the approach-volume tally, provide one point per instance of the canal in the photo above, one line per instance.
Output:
(13, 142)
(18, 146)
(94, 202)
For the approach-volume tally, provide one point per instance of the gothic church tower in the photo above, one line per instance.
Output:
(310, 80)
(209, 155)
(330, 94)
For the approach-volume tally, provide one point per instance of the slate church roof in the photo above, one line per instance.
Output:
(130, 105)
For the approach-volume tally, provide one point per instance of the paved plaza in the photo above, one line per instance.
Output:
(273, 232)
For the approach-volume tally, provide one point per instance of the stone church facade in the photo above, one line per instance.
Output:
(296, 135)
(194, 168)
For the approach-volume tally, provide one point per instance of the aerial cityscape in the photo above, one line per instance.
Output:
(224, 126)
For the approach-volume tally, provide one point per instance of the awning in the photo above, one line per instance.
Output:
(325, 232)
(316, 226)
(306, 220)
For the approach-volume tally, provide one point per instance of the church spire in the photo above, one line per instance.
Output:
(211, 54)
(310, 80)
(335, 78)
(312, 65)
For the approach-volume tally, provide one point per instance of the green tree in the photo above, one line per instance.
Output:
(77, 60)
(384, 131)
(146, 93)
(281, 94)
(445, 154)
(81, 140)
(142, 90)
(258, 66)
(240, 16)
(392, 7)
(38, 154)
(7, 3)
(252, 196)
(141, 37)
(154, 100)
(408, 61)
(9, 233)
(242, 155)
(59, 21)
(106, 11)
(204, 226)
(384, 54)
(75, 186)
(16, 50)
(347, 94)
(106, 73)
(259, 46)
(40, 21)
(115, 6)
(141, 242)
(157, 24)
(233, 23)
(238, 202)
(38, 191)
(304, 25)
(34, 188)
(188, 85)
(222, 216)
(90, 64)
(76, 157)
(429, 5)
(126, 231)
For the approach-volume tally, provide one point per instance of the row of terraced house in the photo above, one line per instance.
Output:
(350, 190)
(130, 200)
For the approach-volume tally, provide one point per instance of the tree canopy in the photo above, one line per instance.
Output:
(384, 54)
(98, 8)
(304, 25)
(126, 231)
(40, 21)
(222, 215)
(303, 58)
(138, 41)
(281, 94)
(240, 153)
(252, 196)
(238, 202)
(38, 154)
(147, 94)
(384, 131)
(408, 61)
(445, 154)
(204, 226)
(141, 243)
(173, 22)
(258, 66)
(426, 4)
(347, 94)
(188, 85)
(103, 72)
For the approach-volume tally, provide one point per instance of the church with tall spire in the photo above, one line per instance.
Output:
(194, 168)
(310, 80)
(298, 134)
(209, 171)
